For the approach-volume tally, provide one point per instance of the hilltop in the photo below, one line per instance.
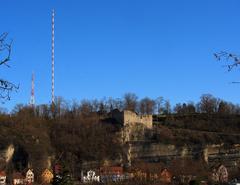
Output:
(79, 135)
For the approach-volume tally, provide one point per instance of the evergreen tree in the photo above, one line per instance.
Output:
(62, 176)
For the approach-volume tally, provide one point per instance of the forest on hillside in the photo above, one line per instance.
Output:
(75, 133)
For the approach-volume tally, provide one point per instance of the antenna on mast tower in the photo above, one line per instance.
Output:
(32, 99)
(53, 14)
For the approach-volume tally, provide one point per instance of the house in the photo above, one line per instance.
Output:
(57, 169)
(214, 175)
(47, 176)
(153, 176)
(165, 176)
(18, 178)
(139, 174)
(223, 173)
(29, 176)
(91, 177)
(113, 170)
(185, 179)
(3, 178)
(113, 173)
(219, 174)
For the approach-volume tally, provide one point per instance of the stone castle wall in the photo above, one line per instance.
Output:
(129, 118)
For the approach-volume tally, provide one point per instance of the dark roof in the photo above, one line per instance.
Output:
(18, 175)
(216, 166)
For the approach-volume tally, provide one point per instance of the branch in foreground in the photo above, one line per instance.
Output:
(5, 47)
(6, 88)
(229, 57)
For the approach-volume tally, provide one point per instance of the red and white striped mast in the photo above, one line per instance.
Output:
(53, 14)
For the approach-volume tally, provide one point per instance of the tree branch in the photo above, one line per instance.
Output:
(229, 57)
(6, 87)
(4, 46)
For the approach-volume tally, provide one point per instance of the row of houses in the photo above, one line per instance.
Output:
(27, 177)
(105, 174)
(113, 174)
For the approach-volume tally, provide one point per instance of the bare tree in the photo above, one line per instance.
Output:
(185, 108)
(159, 102)
(146, 106)
(6, 87)
(130, 101)
(208, 104)
(167, 107)
(178, 108)
(224, 107)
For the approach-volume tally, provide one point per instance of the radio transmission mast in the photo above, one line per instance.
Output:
(32, 99)
(53, 14)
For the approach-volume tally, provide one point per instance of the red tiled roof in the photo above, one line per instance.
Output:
(2, 174)
(111, 170)
(57, 168)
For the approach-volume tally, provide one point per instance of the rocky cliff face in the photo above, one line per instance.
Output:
(6, 154)
(15, 157)
(141, 144)
(211, 154)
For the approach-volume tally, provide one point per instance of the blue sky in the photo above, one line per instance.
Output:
(109, 47)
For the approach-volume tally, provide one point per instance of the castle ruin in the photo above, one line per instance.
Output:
(129, 118)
